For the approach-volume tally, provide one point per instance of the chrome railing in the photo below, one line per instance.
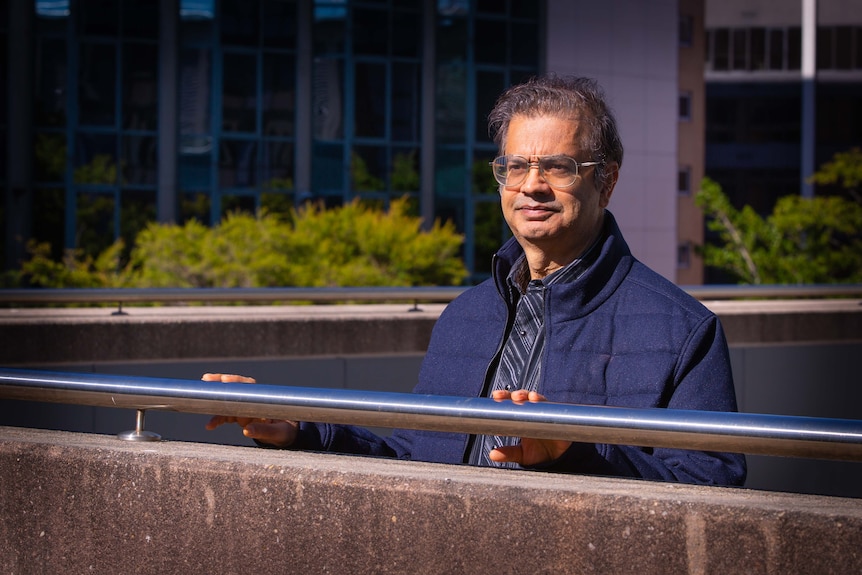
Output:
(366, 294)
(701, 430)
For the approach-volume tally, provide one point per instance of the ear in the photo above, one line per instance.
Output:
(612, 174)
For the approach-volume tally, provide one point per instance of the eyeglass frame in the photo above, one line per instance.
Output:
(538, 166)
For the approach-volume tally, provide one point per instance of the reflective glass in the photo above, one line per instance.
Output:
(137, 209)
(407, 34)
(49, 217)
(140, 86)
(195, 65)
(195, 168)
(194, 206)
(368, 169)
(406, 102)
(141, 18)
(329, 28)
(776, 49)
(50, 157)
(404, 174)
(49, 106)
(95, 159)
(239, 96)
(95, 222)
(239, 22)
(98, 17)
(489, 85)
(277, 166)
(450, 173)
(370, 32)
(237, 163)
(489, 47)
(97, 77)
(451, 40)
(327, 95)
(139, 160)
(451, 100)
(525, 51)
(488, 233)
(370, 104)
(279, 94)
(279, 23)
(232, 204)
(327, 168)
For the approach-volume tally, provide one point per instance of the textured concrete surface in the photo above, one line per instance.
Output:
(59, 335)
(81, 503)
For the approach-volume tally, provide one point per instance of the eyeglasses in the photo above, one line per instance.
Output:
(558, 171)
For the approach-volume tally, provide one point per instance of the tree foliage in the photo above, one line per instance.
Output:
(353, 245)
(803, 241)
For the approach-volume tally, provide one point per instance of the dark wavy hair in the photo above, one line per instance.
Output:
(581, 99)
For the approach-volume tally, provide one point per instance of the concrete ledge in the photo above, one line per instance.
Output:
(80, 503)
(60, 335)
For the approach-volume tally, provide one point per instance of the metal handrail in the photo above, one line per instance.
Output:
(762, 434)
(367, 294)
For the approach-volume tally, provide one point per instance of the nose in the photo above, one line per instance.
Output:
(534, 181)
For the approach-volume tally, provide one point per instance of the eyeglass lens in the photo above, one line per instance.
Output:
(559, 171)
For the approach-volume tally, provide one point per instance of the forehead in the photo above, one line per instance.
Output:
(542, 135)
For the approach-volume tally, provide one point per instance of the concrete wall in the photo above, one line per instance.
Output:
(630, 47)
(74, 503)
(791, 358)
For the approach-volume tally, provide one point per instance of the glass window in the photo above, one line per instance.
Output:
(740, 48)
(50, 157)
(49, 220)
(368, 169)
(406, 105)
(489, 85)
(525, 50)
(279, 94)
(97, 84)
(95, 159)
(406, 34)
(137, 209)
(776, 49)
(371, 32)
(194, 99)
(237, 163)
(326, 99)
(370, 103)
(239, 97)
(683, 256)
(239, 22)
(141, 18)
(685, 105)
(488, 47)
(721, 49)
(95, 221)
(686, 29)
(683, 185)
(328, 173)
(843, 47)
(451, 101)
(277, 166)
(794, 48)
(825, 56)
(330, 27)
(98, 17)
(279, 23)
(139, 160)
(140, 86)
(49, 106)
(194, 206)
(404, 172)
(757, 54)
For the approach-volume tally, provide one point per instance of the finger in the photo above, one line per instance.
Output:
(536, 397)
(217, 420)
(227, 378)
(273, 432)
(507, 454)
(211, 377)
(520, 396)
(500, 395)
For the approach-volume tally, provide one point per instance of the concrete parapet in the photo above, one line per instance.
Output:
(63, 335)
(83, 503)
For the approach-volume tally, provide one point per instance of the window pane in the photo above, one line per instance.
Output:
(451, 40)
(404, 174)
(776, 49)
(95, 222)
(327, 96)
(489, 85)
(327, 168)
(329, 28)
(489, 47)
(371, 32)
(825, 60)
(450, 175)
(279, 94)
(137, 209)
(407, 34)
(370, 104)
(50, 157)
(141, 18)
(95, 159)
(239, 23)
(451, 102)
(139, 160)
(488, 234)
(279, 23)
(195, 167)
(794, 48)
(140, 86)
(232, 204)
(721, 48)
(98, 17)
(96, 84)
(368, 169)
(194, 206)
(525, 49)
(237, 163)
(844, 48)
(739, 49)
(483, 182)
(406, 106)
(277, 166)
(239, 102)
(757, 59)
(194, 91)
(50, 89)
(49, 217)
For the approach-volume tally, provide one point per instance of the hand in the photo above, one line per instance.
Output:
(529, 451)
(275, 432)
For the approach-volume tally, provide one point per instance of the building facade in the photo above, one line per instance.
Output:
(118, 113)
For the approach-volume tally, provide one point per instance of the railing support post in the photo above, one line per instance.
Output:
(139, 434)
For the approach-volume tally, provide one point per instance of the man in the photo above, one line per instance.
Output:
(569, 315)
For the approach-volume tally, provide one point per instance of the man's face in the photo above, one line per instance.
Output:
(557, 224)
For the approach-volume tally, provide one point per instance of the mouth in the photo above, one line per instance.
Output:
(537, 211)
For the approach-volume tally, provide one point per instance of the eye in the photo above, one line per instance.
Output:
(558, 166)
(516, 166)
